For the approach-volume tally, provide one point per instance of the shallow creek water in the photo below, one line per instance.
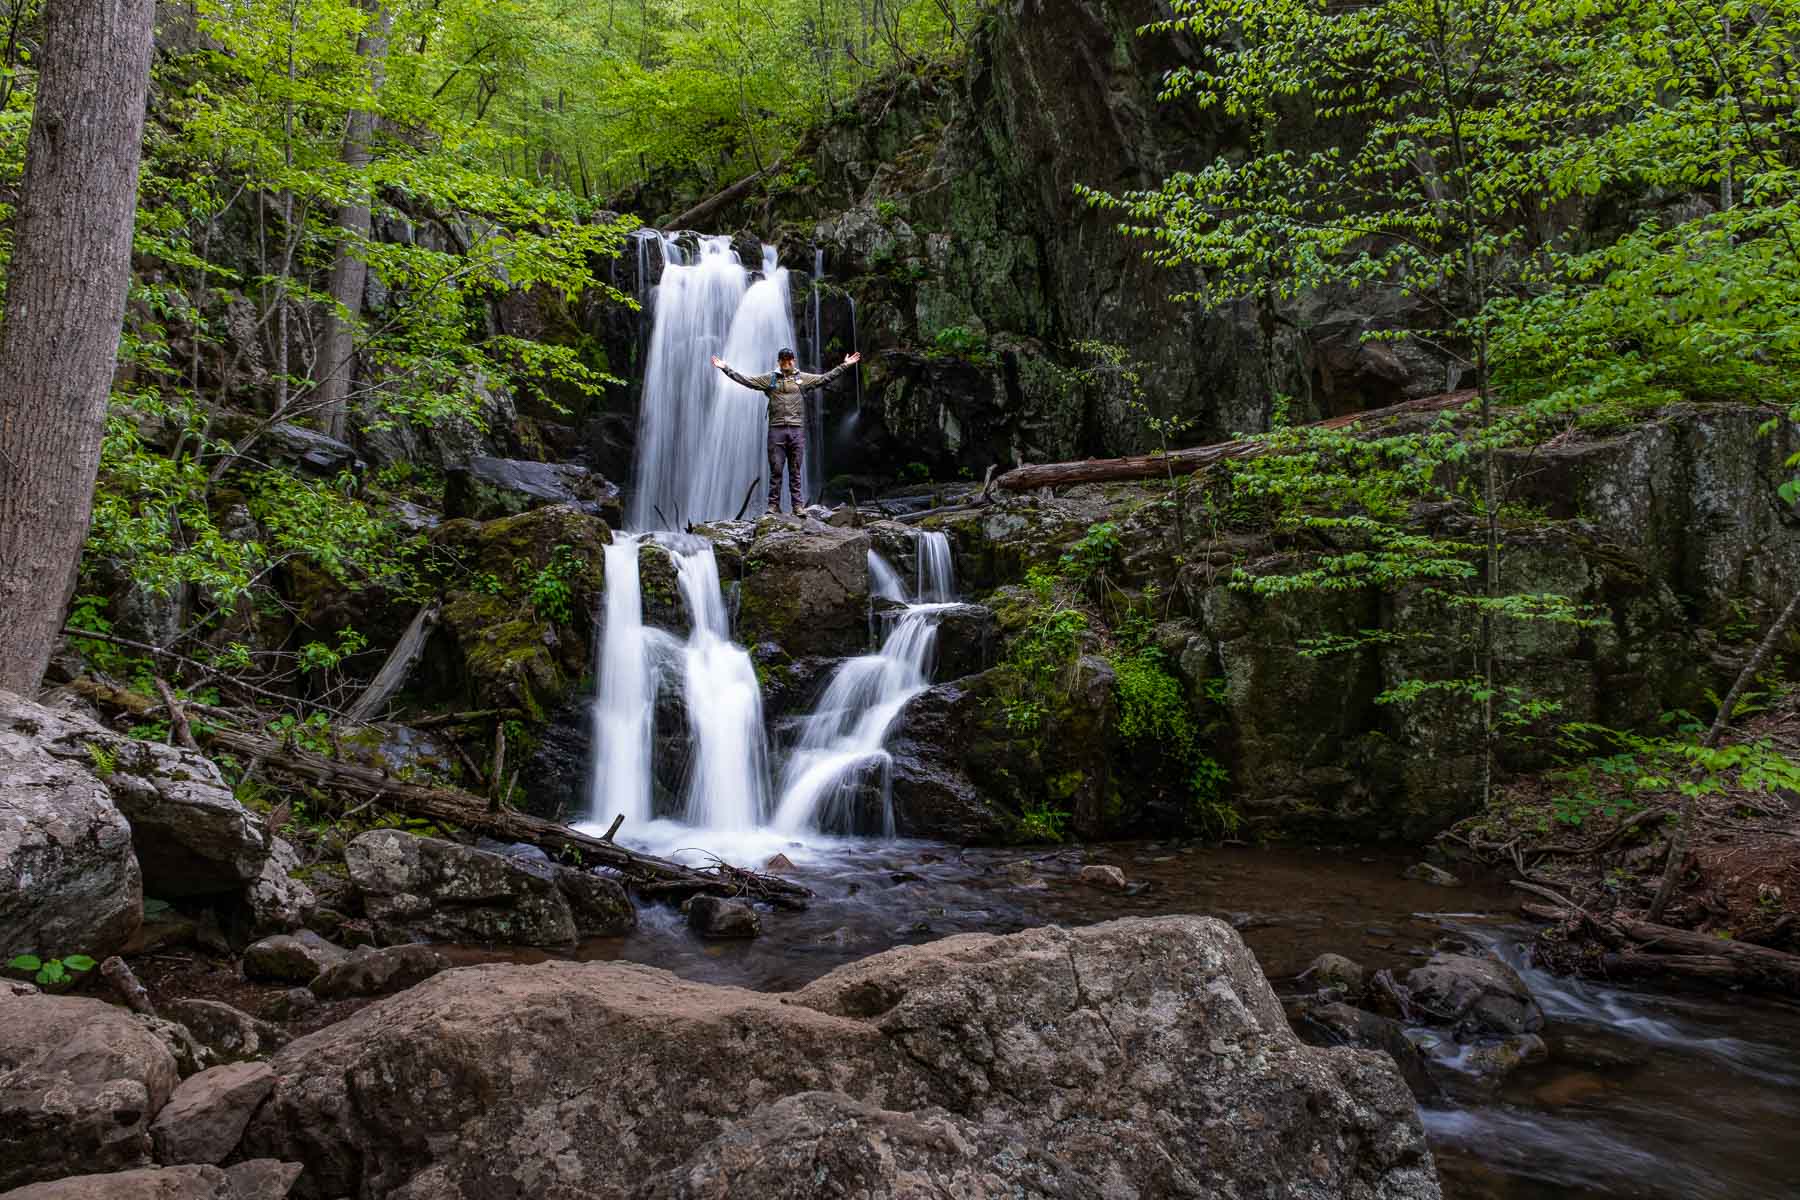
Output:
(1646, 1094)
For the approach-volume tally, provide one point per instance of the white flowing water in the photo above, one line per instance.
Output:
(728, 773)
(937, 582)
(884, 581)
(837, 780)
(701, 437)
(620, 782)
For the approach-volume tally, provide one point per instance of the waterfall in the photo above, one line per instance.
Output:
(937, 584)
(840, 755)
(727, 777)
(701, 436)
(884, 581)
(840, 752)
(815, 412)
(627, 671)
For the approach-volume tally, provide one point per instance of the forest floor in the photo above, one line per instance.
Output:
(1595, 845)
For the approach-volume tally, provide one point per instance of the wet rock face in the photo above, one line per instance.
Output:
(806, 589)
(427, 889)
(80, 1081)
(69, 881)
(455, 1087)
(714, 917)
(498, 645)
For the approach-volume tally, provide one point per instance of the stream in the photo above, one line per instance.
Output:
(1646, 1094)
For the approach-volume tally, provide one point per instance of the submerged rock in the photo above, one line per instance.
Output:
(1475, 994)
(1424, 872)
(715, 917)
(1339, 1024)
(1336, 971)
(1102, 876)
(1029, 1061)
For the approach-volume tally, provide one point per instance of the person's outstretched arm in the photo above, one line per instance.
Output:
(817, 381)
(756, 383)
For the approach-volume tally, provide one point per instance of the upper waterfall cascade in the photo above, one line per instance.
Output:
(700, 452)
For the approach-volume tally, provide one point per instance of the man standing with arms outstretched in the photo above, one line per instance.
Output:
(786, 388)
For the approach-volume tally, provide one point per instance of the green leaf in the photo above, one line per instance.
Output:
(79, 962)
(26, 962)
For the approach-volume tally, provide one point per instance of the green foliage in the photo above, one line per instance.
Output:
(1041, 823)
(1093, 554)
(52, 972)
(959, 341)
(1041, 655)
(105, 761)
(1607, 770)
(551, 589)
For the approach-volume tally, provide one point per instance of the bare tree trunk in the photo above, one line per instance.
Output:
(65, 303)
(337, 344)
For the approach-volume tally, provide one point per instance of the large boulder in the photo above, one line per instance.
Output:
(258, 1179)
(426, 889)
(515, 628)
(487, 488)
(1138, 1057)
(80, 1081)
(806, 588)
(69, 881)
(191, 835)
(204, 1119)
(279, 902)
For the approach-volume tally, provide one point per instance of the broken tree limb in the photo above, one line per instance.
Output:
(179, 729)
(1197, 458)
(467, 811)
(393, 674)
(721, 199)
(116, 973)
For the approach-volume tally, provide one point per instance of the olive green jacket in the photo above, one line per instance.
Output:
(786, 391)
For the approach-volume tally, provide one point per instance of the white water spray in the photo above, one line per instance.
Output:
(884, 581)
(629, 661)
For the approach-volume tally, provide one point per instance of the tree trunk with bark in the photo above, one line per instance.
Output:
(65, 304)
(349, 273)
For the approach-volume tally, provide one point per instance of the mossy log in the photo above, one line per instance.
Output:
(466, 811)
(1197, 458)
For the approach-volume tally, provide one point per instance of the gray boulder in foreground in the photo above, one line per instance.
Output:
(1138, 1058)
(260, 1179)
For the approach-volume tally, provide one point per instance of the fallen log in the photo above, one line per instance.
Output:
(1197, 458)
(1665, 941)
(466, 811)
(720, 199)
(1716, 967)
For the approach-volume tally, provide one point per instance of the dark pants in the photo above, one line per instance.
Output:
(787, 444)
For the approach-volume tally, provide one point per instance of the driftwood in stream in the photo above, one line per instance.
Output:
(1197, 458)
(466, 811)
(1639, 947)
